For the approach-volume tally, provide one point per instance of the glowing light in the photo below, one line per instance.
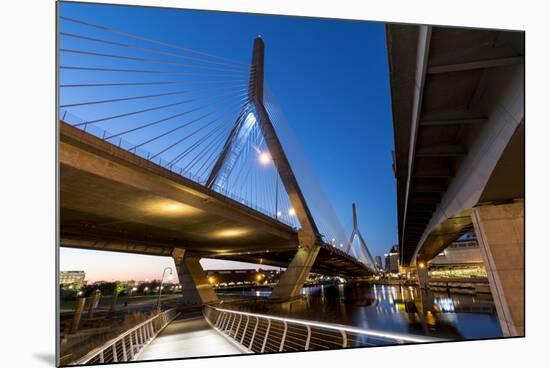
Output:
(265, 158)
(291, 212)
(231, 233)
(168, 207)
(211, 280)
(279, 213)
(421, 265)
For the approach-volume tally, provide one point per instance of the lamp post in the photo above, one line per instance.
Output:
(160, 286)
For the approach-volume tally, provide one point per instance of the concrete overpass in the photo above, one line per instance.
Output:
(458, 112)
(111, 199)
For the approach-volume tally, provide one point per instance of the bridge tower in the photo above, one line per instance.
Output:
(309, 238)
(357, 233)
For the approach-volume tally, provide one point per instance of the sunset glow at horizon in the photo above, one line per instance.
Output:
(117, 266)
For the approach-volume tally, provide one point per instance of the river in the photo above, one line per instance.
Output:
(405, 309)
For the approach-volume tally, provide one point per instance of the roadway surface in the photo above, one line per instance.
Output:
(188, 338)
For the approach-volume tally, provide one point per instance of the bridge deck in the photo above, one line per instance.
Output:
(188, 338)
(111, 199)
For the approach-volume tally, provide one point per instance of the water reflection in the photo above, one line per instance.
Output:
(391, 308)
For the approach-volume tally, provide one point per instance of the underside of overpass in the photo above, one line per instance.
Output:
(109, 194)
(457, 97)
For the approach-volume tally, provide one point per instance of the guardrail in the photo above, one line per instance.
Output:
(129, 345)
(260, 333)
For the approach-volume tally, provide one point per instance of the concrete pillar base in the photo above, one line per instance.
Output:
(422, 274)
(500, 234)
(195, 289)
(293, 279)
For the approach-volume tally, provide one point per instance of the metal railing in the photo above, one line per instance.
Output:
(130, 344)
(103, 134)
(260, 333)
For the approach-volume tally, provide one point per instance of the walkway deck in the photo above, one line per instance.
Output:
(187, 338)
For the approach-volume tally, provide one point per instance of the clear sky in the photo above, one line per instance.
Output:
(331, 80)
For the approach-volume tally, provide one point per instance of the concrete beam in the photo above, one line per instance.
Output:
(434, 174)
(480, 64)
(448, 122)
(500, 234)
(427, 188)
(115, 246)
(422, 52)
(447, 150)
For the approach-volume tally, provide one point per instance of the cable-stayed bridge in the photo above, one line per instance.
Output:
(168, 150)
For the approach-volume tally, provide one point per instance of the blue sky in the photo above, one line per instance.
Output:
(330, 78)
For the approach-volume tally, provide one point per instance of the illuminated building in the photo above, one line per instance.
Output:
(76, 278)
(460, 259)
(378, 261)
(240, 277)
(392, 260)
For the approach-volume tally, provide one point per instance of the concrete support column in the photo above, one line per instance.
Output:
(293, 279)
(422, 274)
(78, 308)
(500, 234)
(114, 300)
(195, 288)
(94, 301)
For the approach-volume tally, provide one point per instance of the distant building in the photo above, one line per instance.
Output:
(392, 260)
(460, 259)
(378, 261)
(76, 278)
(241, 277)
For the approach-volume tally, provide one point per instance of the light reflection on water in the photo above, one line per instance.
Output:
(390, 308)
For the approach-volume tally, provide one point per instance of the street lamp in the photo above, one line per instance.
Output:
(265, 159)
(160, 286)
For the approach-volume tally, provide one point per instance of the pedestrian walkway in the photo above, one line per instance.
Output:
(187, 338)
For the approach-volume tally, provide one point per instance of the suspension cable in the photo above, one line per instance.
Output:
(150, 40)
(115, 56)
(120, 44)
(84, 68)
(142, 97)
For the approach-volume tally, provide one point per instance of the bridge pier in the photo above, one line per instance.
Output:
(500, 234)
(195, 289)
(422, 275)
(293, 279)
